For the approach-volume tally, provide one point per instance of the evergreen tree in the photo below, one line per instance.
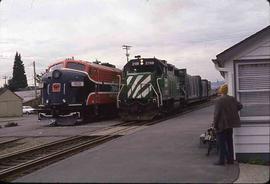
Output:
(19, 78)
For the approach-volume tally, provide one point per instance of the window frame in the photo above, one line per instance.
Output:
(70, 62)
(237, 91)
(56, 66)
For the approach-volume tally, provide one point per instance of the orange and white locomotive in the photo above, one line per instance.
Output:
(79, 90)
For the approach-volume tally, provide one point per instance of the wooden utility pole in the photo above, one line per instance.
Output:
(5, 77)
(126, 47)
(34, 66)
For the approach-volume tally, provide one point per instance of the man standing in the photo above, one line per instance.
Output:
(225, 119)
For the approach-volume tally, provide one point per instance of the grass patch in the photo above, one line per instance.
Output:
(256, 161)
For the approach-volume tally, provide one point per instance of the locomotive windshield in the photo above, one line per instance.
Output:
(139, 69)
(75, 66)
(57, 66)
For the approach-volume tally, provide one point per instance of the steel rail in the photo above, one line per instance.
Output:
(31, 163)
(35, 148)
(54, 143)
(38, 161)
(3, 143)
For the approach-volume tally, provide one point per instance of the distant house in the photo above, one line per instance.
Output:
(246, 69)
(10, 103)
(28, 95)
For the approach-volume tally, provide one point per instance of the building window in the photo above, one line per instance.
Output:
(253, 90)
(56, 66)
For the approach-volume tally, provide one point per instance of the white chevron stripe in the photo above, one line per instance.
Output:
(138, 78)
(129, 79)
(137, 89)
(146, 91)
(143, 83)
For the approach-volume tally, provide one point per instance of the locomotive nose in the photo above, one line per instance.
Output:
(56, 74)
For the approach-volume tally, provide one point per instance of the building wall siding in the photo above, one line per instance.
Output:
(10, 105)
(252, 138)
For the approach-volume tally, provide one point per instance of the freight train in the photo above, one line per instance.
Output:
(152, 86)
(75, 90)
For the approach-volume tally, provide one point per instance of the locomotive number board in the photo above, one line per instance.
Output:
(142, 63)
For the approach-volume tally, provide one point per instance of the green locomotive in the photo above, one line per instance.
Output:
(151, 86)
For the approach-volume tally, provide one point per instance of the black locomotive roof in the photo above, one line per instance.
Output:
(141, 62)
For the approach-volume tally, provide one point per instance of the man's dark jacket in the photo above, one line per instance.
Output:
(226, 113)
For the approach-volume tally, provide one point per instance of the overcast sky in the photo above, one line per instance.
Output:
(186, 33)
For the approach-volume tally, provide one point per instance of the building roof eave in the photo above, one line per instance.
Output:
(223, 56)
(3, 90)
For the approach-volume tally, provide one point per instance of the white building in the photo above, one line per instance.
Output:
(246, 69)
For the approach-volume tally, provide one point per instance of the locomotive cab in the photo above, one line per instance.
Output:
(152, 87)
(76, 90)
(140, 91)
(64, 91)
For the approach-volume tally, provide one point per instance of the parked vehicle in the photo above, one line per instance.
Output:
(28, 110)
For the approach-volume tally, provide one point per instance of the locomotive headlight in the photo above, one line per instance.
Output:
(77, 83)
(56, 74)
(141, 61)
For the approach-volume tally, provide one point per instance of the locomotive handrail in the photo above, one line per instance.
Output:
(48, 89)
(119, 83)
(64, 89)
(161, 100)
(117, 100)
(184, 91)
(156, 94)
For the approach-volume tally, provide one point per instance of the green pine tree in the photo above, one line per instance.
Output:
(19, 78)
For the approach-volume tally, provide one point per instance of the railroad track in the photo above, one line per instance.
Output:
(6, 143)
(17, 162)
(21, 162)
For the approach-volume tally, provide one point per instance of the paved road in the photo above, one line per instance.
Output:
(165, 152)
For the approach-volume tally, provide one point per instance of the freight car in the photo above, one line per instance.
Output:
(75, 90)
(151, 86)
